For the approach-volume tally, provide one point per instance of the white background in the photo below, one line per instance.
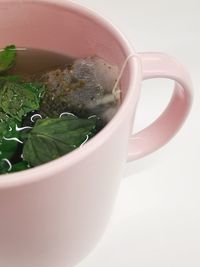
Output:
(156, 221)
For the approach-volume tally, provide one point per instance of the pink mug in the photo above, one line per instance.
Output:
(54, 214)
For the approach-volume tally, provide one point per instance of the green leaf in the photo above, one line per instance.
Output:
(21, 166)
(10, 78)
(4, 167)
(19, 98)
(52, 138)
(8, 136)
(7, 58)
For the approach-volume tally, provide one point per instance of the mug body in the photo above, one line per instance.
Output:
(54, 214)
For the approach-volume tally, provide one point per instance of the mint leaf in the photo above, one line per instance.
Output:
(8, 136)
(52, 138)
(19, 98)
(11, 78)
(4, 167)
(21, 166)
(7, 58)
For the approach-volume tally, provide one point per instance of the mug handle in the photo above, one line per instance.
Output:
(159, 65)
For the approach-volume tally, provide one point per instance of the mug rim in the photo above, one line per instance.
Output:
(58, 165)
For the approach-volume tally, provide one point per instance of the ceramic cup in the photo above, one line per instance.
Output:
(53, 215)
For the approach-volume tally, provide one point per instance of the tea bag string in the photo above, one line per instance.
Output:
(116, 91)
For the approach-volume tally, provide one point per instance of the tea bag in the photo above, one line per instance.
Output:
(84, 88)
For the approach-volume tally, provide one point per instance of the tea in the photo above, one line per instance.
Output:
(51, 104)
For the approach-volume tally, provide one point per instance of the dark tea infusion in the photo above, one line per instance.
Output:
(51, 104)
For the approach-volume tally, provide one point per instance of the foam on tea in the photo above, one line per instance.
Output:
(51, 104)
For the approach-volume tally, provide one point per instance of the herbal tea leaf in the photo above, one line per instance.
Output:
(18, 98)
(7, 58)
(4, 166)
(21, 166)
(52, 138)
(10, 78)
(9, 137)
